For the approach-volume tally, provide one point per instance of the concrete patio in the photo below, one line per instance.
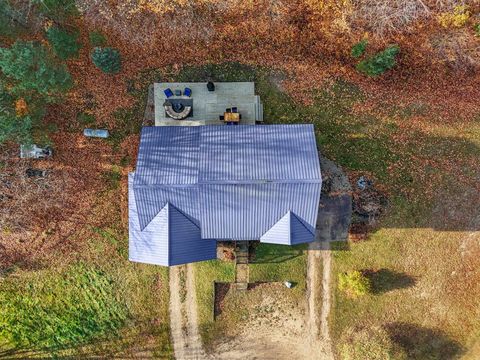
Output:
(209, 105)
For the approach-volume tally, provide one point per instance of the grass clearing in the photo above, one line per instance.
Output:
(93, 302)
(206, 273)
(279, 263)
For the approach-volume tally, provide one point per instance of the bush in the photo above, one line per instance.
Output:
(97, 38)
(31, 70)
(64, 43)
(359, 48)
(59, 309)
(354, 283)
(477, 29)
(379, 63)
(369, 343)
(107, 60)
(456, 19)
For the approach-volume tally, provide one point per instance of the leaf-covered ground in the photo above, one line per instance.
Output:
(414, 130)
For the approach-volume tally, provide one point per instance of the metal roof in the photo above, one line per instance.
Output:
(231, 182)
(171, 238)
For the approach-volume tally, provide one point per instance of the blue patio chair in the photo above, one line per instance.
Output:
(234, 109)
(187, 92)
(235, 123)
(229, 123)
(221, 117)
(168, 92)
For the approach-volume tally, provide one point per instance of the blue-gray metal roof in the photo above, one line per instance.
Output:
(248, 211)
(171, 238)
(232, 182)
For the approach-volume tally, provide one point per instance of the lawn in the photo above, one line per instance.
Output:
(205, 274)
(92, 301)
(279, 263)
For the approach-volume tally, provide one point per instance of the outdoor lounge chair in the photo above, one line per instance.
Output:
(187, 92)
(222, 118)
(229, 110)
(168, 92)
(234, 109)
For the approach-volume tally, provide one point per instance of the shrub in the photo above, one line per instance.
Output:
(359, 48)
(354, 283)
(477, 29)
(86, 119)
(31, 69)
(64, 43)
(379, 63)
(97, 38)
(59, 309)
(107, 60)
(456, 19)
(369, 343)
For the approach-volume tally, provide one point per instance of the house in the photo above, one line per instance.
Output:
(196, 185)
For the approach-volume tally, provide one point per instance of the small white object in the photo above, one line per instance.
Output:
(288, 284)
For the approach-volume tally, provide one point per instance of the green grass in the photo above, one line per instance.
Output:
(205, 274)
(89, 303)
(52, 310)
(279, 263)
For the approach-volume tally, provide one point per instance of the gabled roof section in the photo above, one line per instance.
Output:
(258, 154)
(169, 156)
(171, 238)
(289, 230)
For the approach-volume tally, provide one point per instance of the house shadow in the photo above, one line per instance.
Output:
(385, 280)
(423, 343)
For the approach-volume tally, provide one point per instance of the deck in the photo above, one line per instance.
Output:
(208, 106)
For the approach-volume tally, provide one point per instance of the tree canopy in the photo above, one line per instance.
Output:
(32, 71)
(64, 43)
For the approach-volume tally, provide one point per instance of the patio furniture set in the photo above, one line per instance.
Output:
(178, 106)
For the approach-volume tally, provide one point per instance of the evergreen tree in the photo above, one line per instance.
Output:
(64, 43)
(107, 59)
(32, 71)
(379, 63)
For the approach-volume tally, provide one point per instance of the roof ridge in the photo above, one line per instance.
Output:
(301, 222)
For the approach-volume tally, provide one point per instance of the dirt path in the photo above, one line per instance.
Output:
(317, 326)
(183, 314)
(273, 343)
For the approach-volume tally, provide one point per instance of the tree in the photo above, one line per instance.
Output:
(11, 20)
(32, 72)
(64, 43)
(97, 38)
(369, 343)
(107, 59)
(17, 117)
(379, 63)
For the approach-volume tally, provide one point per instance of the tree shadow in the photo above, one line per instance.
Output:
(385, 280)
(423, 343)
